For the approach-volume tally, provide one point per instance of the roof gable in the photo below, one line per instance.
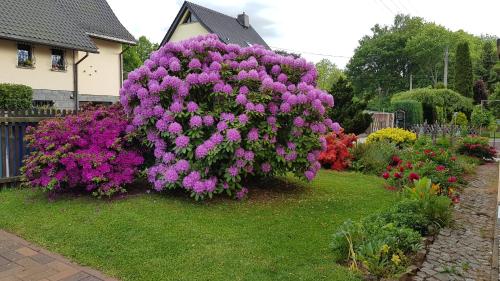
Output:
(227, 28)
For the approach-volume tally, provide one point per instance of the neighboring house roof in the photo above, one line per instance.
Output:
(61, 23)
(227, 28)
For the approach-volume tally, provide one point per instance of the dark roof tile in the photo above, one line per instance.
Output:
(60, 23)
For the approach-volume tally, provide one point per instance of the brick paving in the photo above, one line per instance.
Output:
(22, 261)
(464, 251)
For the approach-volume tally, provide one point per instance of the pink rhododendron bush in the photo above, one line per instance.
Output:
(213, 114)
(84, 152)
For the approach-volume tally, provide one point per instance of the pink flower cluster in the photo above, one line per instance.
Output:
(87, 150)
(216, 113)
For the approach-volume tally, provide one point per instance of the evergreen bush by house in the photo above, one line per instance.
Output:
(14, 96)
(214, 114)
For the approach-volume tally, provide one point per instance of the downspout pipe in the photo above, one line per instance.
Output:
(75, 79)
(121, 64)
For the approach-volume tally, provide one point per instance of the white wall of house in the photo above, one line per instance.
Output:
(99, 74)
(41, 76)
(188, 30)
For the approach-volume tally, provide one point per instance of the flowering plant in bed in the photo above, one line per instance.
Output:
(439, 166)
(215, 114)
(337, 156)
(88, 151)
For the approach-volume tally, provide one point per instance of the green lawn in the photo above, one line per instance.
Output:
(278, 234)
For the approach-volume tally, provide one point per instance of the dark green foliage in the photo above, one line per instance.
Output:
(449, 101)
(348, 110)
(413, 111)
(488, 59)
(480, 91)
(135, 56)
(463, 70)
(372, 158)
(14, 96)
(426, 217)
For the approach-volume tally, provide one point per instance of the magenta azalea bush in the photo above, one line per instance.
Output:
(87, 151)
(214, 114)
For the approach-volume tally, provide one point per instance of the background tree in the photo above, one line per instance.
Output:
(135, 56)
(426, 50)
(349, 109)
(328, 74)
(488, 59)
(463, 70)
(480, 91)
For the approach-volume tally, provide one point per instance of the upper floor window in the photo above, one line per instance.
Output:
(24, 55)
(58, 59)
(190, 18)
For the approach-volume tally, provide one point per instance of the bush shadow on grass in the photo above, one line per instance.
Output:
(260, 190)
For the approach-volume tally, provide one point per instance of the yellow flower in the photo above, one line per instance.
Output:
(395, 135)
(396, 259)
(385, 249)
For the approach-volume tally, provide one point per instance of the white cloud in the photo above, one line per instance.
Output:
(314, 26)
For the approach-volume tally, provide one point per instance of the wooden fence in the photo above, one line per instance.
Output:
(13, 148)
(380, 120)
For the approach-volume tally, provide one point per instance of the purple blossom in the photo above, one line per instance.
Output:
(175, 128)
(221, 126)
(298, 122)
(182, 141)
(171, 176)
(253, 134)
(241, 99)
(182, 166)
(233, 135)
(192, 106)
(194, 63)
(233, 171)
(208, 120)
(243, 119)
(195, 121)
(249, 155)
(266, 167)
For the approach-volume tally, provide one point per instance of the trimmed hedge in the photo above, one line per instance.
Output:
(447, 99)
(413, 111)
(14, 96)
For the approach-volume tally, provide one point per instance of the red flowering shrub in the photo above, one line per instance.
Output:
(477, 146)
(337, 156)
(439, 166)
(84, 151)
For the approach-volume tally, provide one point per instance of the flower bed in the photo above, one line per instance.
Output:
(337, 156)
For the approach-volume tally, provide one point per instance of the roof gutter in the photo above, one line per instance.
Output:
(75, 78)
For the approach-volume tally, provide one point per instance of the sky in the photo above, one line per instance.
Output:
(316, 29)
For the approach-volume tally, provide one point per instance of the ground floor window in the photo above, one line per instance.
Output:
(58, 62)
(24, 55)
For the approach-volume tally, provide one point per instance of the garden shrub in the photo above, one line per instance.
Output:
(477, 147)
(460, 120)
(337, 156)
(87, 152)
(422, 209)
(449, 100)
(395, 135)
(215, 113)
(372, 158)
(381, 244)
(481, 117)
(413, 111)
(14, 96)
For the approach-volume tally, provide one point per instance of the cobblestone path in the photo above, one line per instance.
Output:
(464, 251)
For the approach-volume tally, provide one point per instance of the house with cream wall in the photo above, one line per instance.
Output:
(68, 51)
(193, 20)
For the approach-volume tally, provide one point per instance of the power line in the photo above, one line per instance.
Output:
(387, 7)
(399, 10)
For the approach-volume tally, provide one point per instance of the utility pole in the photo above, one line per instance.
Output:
(411, 81)
(445, 76)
